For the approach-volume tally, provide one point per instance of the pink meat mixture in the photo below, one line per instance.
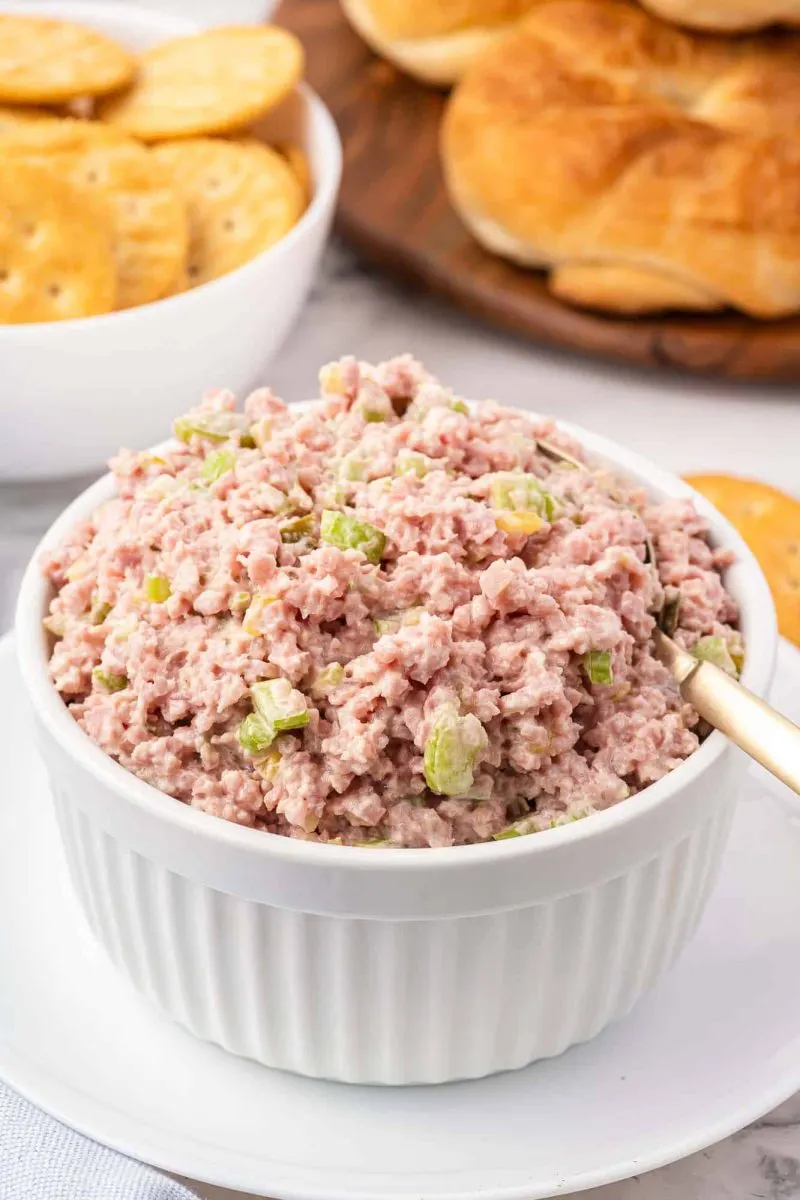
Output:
(459, 615)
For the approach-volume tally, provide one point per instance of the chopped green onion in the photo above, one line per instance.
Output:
(254, 735)
(347, 533)
(715, 650)
(218, 463)
(597, 666)
(98, 612)
(514, 491)
(215, 426)
(110, 681)
(157, 589)
(298, 529)
(279, 705)
(329, 677)
(453, 745)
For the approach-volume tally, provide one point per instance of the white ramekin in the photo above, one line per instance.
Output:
(73, 391)
(392, 966)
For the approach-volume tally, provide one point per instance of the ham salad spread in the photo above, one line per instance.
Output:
(389, 618)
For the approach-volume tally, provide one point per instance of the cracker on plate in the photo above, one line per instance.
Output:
(769, 521)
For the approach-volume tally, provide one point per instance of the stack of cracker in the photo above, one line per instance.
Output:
(125, 179)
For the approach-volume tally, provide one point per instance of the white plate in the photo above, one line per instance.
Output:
(715, 1046)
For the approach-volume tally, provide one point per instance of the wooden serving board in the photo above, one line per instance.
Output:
(394, 208)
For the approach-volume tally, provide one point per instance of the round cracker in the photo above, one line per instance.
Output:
(769, 521)
(212, 82)
(47, 61)
(241, 197)
(56, 259)
(16, 116)
(299, 163)
(149, 221)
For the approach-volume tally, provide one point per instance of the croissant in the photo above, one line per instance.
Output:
(435, 40)
(644, 167)
(728, 15)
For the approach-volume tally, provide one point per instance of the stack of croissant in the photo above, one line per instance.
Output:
(645, 155)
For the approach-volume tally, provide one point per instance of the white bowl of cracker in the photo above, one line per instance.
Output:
(165, 196)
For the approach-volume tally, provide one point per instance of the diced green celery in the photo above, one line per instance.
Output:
(215, 426)
(348, 533)
(251, 622)
(157, 588)
(267, 765)
(254, 735)
(597, 666)
(98, 612)
(715, 650)
(218, 463)
(373, 403)
(110, 681)
(374, 844)
(391, 622)
(410, 463)
(353, 467)
(329, 677)
(261, 432)
(279, 705)
(240, 601)
(453, 745)
(458, 405)
(56, 623)
(387, 624)
(298, 529)
(516, 829)
(515, 491)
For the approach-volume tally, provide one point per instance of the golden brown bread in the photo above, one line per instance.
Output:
(646, 168)
(728, 16)
(435, 40)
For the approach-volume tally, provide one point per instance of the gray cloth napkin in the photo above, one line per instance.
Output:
(41, 1159)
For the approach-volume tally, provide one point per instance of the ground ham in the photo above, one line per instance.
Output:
(460, 614)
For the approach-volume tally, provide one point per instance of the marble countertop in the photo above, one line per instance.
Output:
(682, 424)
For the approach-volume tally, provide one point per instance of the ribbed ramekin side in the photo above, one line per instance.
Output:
(391, 1002)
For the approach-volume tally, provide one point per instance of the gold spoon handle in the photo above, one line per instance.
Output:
(766, 735)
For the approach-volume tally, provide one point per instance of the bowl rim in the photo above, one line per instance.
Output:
(758, 619)
(325, 189)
